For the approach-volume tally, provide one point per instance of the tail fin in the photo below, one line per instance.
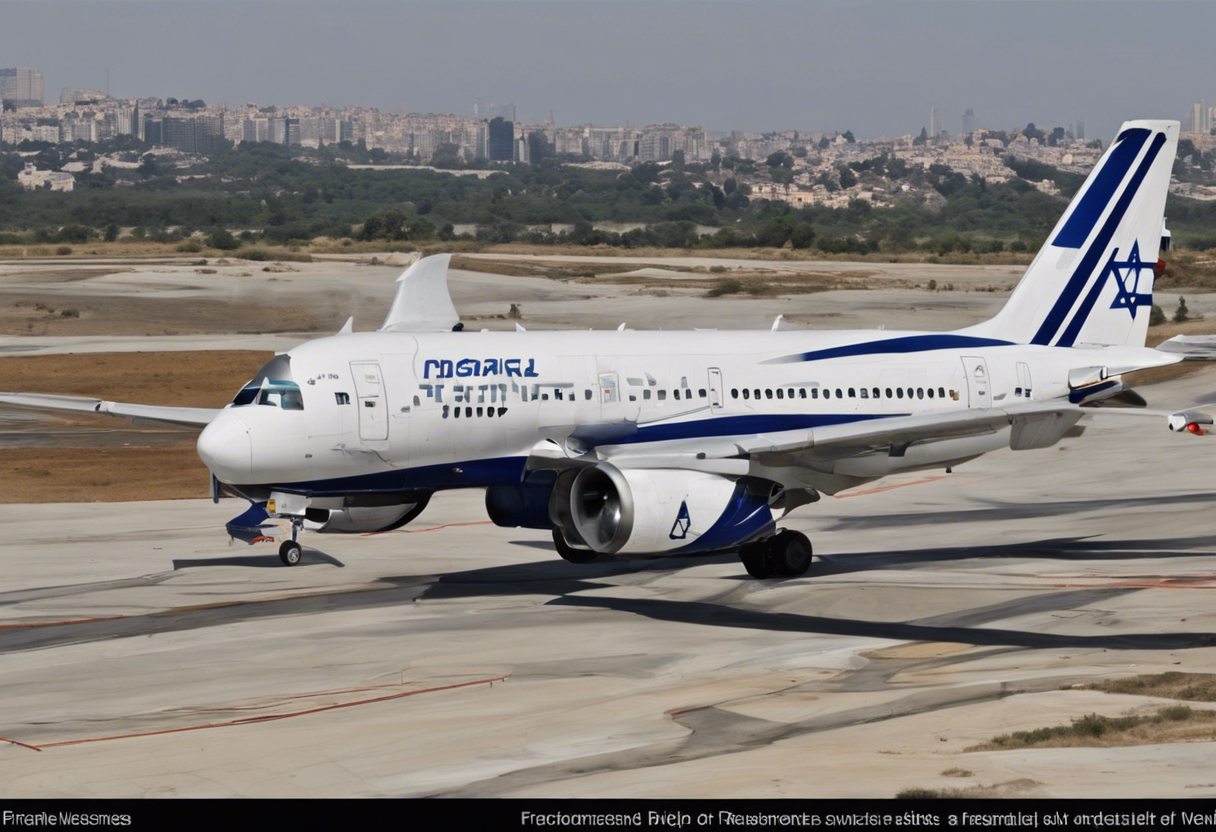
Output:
(1094, 275)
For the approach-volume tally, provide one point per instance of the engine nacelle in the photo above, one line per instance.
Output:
(362, 519)
(658, 511)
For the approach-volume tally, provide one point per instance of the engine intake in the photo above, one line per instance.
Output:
(656, 511)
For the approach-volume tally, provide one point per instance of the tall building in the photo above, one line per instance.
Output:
(22, 86)
(199, 134)
(1079, 131)
(1199, 118)
(968, 120)
(934, 126)
(500, 146)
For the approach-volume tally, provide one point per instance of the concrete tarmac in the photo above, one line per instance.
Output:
(146, 656)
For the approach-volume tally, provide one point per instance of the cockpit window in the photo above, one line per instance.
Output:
(273, 386)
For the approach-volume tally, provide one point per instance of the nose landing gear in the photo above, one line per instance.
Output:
(787, 554)
(291, 550)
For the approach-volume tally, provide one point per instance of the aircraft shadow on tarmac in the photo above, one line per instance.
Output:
(565, 583)
(309, 557)
(1082, 548)
(997, 510)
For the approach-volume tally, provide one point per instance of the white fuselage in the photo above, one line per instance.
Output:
(428, 411)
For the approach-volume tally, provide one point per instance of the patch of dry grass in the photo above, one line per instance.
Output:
(1173, 723)
(1011, 788)
(1189, 687)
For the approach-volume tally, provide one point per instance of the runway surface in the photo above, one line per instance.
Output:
(146, 656)
(143, 654)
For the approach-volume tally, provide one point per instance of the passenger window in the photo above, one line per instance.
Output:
(876, 392)
(445, 411)
(646, 395)
(802, 393)
(852, 393)
(899, 391)
(815, 393)
(342, 398)
(865, 394)
(780, 393)
(768, 394)
(930, 392)
(368, 403)
(734, 392)
(701, 392)
(479, 412)
(839, 393)
(587, 395)
(889, 394)
(502, 411)
(941, 392)
(662, 395)
(920, 392)
(632, 397)
(746, 393)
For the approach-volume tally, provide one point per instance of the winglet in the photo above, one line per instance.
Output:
(348, 327)
(423, 303)
(776, 323)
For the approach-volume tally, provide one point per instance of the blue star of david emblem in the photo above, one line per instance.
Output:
(1127, 276)
(679, 529)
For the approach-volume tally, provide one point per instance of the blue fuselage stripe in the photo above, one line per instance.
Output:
(1088, 211)
(1080, 276)
(893, 346)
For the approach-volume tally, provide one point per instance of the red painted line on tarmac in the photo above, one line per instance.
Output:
(23, 745)
(250, 720)
(891, 487)
(29, 624)
(431, 529)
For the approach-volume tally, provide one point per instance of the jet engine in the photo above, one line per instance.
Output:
(657, 511)
(363, 519)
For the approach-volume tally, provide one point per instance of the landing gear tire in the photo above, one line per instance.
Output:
(569, 553)
(787, 554)
(289, 552)
(755, 559)
(790, 554)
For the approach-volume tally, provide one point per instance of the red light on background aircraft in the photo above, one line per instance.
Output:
(1195, 429)
(1159, 268)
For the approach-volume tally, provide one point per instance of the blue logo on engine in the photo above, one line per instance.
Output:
(1128, 280)
(679, 529)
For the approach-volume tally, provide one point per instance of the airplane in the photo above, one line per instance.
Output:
(632, 444)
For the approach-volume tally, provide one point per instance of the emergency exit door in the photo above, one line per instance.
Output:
(373, 403)
(979, 386)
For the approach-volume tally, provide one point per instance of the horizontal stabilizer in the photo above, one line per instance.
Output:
(196, 417)
(1191, 347)
(423, 303)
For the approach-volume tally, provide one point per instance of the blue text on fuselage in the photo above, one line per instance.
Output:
(474, 367)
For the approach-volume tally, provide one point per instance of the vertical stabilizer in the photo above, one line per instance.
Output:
(1092, 282)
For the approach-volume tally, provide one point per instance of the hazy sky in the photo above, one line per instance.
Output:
(873, 67)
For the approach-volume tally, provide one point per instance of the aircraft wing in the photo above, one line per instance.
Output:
(1035, 425)
(197, 417)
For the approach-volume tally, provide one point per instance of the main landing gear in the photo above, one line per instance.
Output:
(291, 550)
(786, 554)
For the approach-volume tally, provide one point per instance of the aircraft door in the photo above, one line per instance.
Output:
(715, 388)
(1023, 389)
(979, 386)
(373, 403)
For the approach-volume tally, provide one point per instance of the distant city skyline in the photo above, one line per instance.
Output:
(876, 68)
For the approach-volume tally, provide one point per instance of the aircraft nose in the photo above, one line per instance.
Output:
(224, 446)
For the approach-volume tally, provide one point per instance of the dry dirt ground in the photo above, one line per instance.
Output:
(82, 458)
